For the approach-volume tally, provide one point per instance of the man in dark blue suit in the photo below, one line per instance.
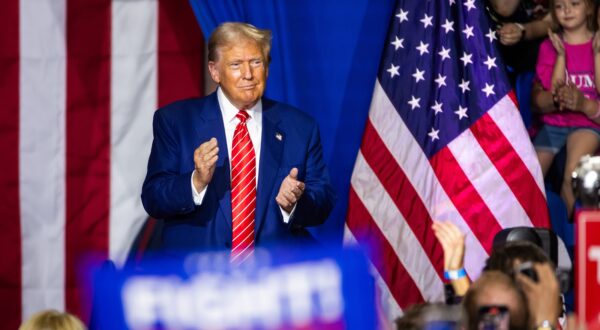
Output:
(189, 184)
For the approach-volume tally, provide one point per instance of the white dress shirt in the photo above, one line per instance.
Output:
(230, 121)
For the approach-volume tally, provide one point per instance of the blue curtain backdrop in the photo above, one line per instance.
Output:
(324, 61)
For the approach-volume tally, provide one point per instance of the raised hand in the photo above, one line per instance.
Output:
(596, 43)
(453, 244)
(205, 161)
(559, 72)
(543, 295)
(290, 191)
(557, 43)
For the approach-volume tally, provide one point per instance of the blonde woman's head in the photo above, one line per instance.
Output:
(52, 320)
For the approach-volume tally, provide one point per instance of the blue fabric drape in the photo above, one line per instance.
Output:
(325, 56)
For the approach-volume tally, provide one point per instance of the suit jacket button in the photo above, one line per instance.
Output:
(228, 245)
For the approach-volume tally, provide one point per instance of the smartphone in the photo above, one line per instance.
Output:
(493, 318)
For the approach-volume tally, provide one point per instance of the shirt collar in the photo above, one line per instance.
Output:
(229, 110)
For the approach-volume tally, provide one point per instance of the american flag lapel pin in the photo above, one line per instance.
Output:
(278, 136)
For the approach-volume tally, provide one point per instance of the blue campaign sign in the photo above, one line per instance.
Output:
(275, 290)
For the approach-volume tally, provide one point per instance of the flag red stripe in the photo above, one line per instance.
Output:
(513, 97)
(87, 142)
(10, 229)
(512, 168)
(381, 253)
(180, 52)
(465, 197)
(404, 195)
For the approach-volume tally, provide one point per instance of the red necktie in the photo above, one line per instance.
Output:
(243, 191)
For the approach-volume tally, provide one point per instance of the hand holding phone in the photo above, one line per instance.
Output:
(527, 268)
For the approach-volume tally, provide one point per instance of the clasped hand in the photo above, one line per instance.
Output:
(568, 96)
(205, 160)
(510, 34)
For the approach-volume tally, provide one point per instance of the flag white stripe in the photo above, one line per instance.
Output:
(409, 156)
(42, 153)
(511, 125)
(488, 182)
(133, 101)
(396, 231)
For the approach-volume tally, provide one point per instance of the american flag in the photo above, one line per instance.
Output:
(444, 141)
(79, 83)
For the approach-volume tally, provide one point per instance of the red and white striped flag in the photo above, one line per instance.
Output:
(79, 81)
(444, 141)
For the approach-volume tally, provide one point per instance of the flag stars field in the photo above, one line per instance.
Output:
(461, 112)
(437, 107)
(468, 31)
(419, 75)
(402, 16)
(448, 26)
(414, 102)
(422, 48)
(444, 53)
(466, 58)
(398, 43)
(434, 134)
(491, 35)
(440, 80)
(470, 4)
(464, 86)
(426, 20)
(393, 70)
(490, 62)
(488, 90)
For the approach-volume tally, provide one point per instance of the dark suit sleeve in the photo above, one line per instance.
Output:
(166, 191)
(318, 199)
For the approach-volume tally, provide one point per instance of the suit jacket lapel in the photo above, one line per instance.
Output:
(211, 125)
(271, 148)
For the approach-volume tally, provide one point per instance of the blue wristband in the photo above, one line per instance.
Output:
(455, 274)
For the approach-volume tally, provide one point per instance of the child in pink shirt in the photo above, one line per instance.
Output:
(565, 91)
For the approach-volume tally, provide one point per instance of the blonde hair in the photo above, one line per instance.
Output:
(230, 33)
(497, 279)
(52, 320)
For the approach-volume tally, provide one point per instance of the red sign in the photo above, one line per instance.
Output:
(588, 266)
